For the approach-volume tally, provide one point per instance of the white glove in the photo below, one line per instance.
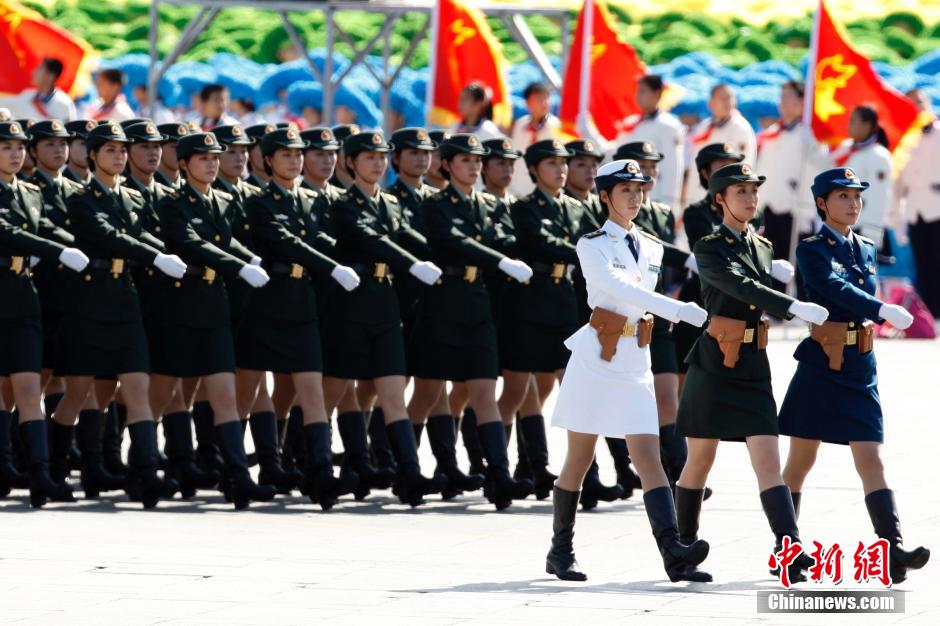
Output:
(34, 261)
(346, 277)
(255, 260)
(426, 272)
(170, 264)
(782, 270)
(74, 259)
(254, 275)
(895, 315)
(691, 264)
(809, 312)
(516, 269)
(693, 314)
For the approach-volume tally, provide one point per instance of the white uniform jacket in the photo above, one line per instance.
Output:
(790, 158)
(919, 182)
(614, 398)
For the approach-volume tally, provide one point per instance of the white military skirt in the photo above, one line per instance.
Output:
(611, 399)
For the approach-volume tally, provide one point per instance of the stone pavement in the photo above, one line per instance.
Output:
(461, 562)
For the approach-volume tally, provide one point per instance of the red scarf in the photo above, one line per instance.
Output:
(704, 135)
(855, 147)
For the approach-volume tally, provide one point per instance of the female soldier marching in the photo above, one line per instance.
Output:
(608, 387)
(837, 364)
(727, 393)
(24, 232)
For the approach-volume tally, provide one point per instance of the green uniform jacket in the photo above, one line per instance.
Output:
(460, 233)
(51, 278)
(547, 230)
(736, 283)
(238, 289)
(24, 232)
(370, 231)
(699, 220)
(408, 287)
(106, 227)
(197, 229)
(286, 230)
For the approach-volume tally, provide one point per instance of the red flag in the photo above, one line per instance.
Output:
(602, 73)
(26, 38)
(464, 50)
(840, 78)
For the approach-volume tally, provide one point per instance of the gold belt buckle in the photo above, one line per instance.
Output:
(16, 264)
(470, 273)
(629, 329)
(851, 338)
(748, 335)
(208, 275)
(296, 270)
(558, 272)
(381, 269)
(117, 267)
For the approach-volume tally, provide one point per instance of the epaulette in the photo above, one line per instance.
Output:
(310, 193)
(812, 239)
(224, 195)
(711, 236)
(761, 238)
(389, 197)
(68, 182)
(487, 196)
(660, 206)
(866, 240)
(132, 192)
(649, 235)
(30, 186)
(597, 233)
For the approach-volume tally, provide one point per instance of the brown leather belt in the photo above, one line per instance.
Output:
(833, 337)
(206, 273)
(470, 273)
(294, 270)
(556, 271)
(612, 326)
(115, 266)
(16, 264)
(379, 271)
(731, 333)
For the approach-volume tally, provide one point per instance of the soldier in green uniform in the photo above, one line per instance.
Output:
(582, 170)
(168, 174)
(102, 329)
(455, 335)
(433, 176)
(256, 173)
(29, 166)
(362, 329)
(193, 338)
(24, 232)
(280, 331)
(541, 314)
(727, 393)
(320, 159)
(77, 168)
(342, 177)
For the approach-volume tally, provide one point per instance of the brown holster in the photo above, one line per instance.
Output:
(834, 336)
(731, 333)
(612, 326)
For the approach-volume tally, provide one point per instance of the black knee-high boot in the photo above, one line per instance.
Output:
(442, 435)
(535, 441)
(688, 510)
(207, 450)
(561, 560)
(379, 446)
(679, 559)
(264, 433)
(502, 488)
(471, 441)
(238, 481)
(594, 491)
(322, 487)
(352, 430)
(626, 477)
(95, 476)
(42, 487)
(294, 455)
(142, 481)
(778, 507)
(411, 486)
(419, 430)
(177, 427)
(796, 496)
(523, 469)
(112, 438)
(61, 439)
(674, 451)
(10, 476)
(74, 455)
(884, 517)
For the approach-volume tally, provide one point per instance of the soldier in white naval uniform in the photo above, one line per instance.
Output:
(726, 125)
(608, 386)
(664, 131)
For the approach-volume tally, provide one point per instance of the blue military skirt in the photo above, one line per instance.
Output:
(833, 406)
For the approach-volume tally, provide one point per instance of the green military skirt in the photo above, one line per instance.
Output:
(726, 403)
(21, 345)
(537, 319)
(89, 347)
(279, 346)
(182, 351)
(663, 348)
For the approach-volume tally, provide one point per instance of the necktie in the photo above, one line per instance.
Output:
(634, 247)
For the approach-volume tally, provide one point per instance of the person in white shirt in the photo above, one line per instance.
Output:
(45, 101)
(213, 107)
(794, 155)
(664, 131)
(726, 125)
(476, 110)
(866, 152)
(160, 114)
(111, 103)
(537, 125)
(918, 197)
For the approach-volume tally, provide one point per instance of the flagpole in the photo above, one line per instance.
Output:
(584, 95)
(432, 64)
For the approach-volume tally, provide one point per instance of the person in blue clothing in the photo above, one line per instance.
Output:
(837, 364)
